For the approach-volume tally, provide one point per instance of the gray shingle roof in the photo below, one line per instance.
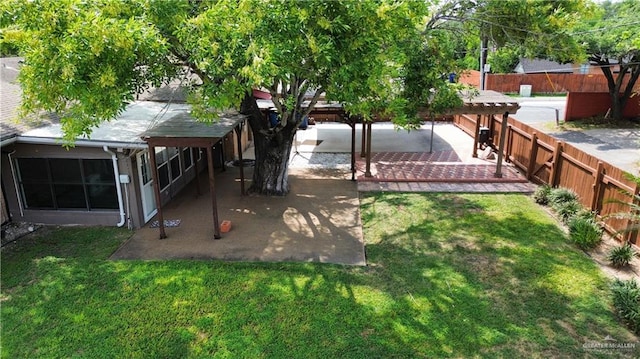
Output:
(530, 66)
(11, 124)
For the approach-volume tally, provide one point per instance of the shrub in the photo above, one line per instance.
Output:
(621, 256)
(586, 214)
(558, 196)
(585, 233)
(626, 300)
(541, 195)
(568, 210)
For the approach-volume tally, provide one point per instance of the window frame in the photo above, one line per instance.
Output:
(54, 185)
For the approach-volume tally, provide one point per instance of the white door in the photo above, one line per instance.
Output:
(146, 186)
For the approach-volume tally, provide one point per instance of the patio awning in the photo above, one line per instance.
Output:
(182, 130)
(485, 103)
(474, 103)
(481, 103)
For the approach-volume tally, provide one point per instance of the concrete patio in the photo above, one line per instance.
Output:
(319, 221)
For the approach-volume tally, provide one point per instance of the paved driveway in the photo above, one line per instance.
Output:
(619, 147)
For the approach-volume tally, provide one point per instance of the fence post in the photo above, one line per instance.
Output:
(533, 154)
(597, 184)
(632, 236)
(555, 164)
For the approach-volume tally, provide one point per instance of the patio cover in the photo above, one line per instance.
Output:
(182, 130)
(487, 103)
(476, 103)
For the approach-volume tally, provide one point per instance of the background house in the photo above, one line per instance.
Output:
(536, 66)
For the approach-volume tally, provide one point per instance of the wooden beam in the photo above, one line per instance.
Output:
(503, 134)
(181, 141)
(194, 156)
(367, 173)
(353, 150)
(238, 130)
(212, 191)
(475, 136)
(363, 146)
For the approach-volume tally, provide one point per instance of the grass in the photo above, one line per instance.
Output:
(448, 276)
(597, 122)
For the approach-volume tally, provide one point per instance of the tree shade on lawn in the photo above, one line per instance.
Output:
(449, 276)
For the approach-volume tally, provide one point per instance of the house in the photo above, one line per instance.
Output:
(542, 66)
(105, 179)
(535, 66)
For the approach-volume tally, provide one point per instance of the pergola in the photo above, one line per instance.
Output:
(182, 130)
(483, 103)
(479, 104)
(486, 103)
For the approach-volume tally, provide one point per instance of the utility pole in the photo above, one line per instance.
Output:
(484, 42)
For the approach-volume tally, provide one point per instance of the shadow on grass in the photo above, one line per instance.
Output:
(62, 303)
(449, 275)
(487, 274)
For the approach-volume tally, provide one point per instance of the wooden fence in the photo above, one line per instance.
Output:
(541, 83)
(546, 160)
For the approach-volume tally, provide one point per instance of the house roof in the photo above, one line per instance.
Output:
(529, 66)
(141, 119)
(11, 125)
(185, 131)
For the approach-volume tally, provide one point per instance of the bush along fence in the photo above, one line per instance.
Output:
(599, 185)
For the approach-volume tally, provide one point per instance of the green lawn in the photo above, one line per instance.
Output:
(449, 276)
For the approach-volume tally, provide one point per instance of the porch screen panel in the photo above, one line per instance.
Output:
(67, 183)
(188, 159)
(35, 183)
(51, 183)
(100, 181)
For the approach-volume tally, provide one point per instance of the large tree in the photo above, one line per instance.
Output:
(86, 60)
(612, 42)
(531, 28)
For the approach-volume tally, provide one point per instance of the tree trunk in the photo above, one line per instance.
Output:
(619, 97)
(272, 150)
(617, 107)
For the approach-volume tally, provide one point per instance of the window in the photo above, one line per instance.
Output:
(188, 157)
(174, 161)
(168, 162)
(67, 183)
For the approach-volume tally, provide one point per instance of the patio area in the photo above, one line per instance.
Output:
(319, 221)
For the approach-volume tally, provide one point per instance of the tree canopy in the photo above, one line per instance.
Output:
(86, 60)
(611, 40)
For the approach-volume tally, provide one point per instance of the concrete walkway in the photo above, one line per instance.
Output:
(319, 221)
(619, 147)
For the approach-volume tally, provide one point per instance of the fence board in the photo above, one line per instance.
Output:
(546, 160)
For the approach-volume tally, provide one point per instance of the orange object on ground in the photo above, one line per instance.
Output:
(225, 226)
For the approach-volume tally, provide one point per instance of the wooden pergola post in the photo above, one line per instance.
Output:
(363, 146)
(503, 134)
(367, 172)
(352, 123)
(238, 131)
(476, 135)
(212, 190)
(195, 162)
